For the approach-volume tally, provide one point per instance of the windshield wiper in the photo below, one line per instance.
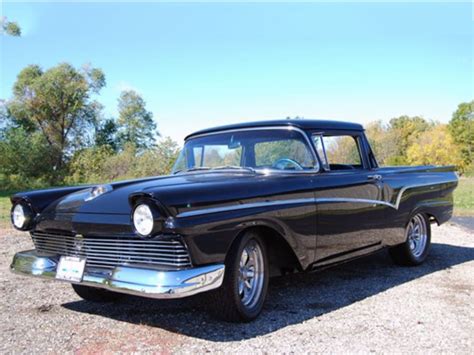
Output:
(223, 167)
(196, 168)
(231, 167)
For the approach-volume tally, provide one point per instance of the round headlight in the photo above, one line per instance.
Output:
(143, 219)
(21, 216)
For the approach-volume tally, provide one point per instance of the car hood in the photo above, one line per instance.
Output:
(171, 191)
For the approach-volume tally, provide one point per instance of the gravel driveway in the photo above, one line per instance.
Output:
(368, 305)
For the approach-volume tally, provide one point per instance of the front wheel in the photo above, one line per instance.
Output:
(417, 244)
(243, 292)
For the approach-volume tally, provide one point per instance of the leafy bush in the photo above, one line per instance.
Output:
(469, 171)
(101, 164)
(435, 147)
(461, 128)
(25, 160)
(87, 165)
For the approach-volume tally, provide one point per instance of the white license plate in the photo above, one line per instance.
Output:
(70, 268)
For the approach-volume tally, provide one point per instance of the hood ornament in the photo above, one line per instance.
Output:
(78, 242)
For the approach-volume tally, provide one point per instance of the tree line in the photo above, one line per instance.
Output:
(53, 131)
(417, 141)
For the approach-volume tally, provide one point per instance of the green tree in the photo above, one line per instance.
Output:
(58, 104)
(157, 161)
(435, 147)
(383, 141)
(461, 128)
(136, 124)
(405, 130)
(88, 165)
(106, 134)
(9, 27)
(24, 159)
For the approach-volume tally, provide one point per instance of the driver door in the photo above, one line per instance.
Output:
(348, 196)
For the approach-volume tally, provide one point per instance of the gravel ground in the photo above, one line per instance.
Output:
(368, 305)
(464, 221)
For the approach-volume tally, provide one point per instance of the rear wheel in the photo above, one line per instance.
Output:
(96, 294)
(242, 294)
(417, 244)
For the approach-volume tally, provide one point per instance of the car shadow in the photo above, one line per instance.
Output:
(291, 299)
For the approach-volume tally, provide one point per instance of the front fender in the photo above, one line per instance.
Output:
(210, 236)
(40, 199)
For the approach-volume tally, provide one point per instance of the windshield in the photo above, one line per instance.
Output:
(277, 149)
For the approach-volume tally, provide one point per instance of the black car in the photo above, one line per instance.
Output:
(243, 203)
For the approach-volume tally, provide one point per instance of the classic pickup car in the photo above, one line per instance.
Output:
(243, 203)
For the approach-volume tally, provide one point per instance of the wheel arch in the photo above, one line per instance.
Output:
(282, 258)
(421, 209)
(433, 218)
(436, 214)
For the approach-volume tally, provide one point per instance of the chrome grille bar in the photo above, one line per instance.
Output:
(110, 252)
(106, 249)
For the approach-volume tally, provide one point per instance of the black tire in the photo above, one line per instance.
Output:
(227, 303)
(404, 254)
(96, 294)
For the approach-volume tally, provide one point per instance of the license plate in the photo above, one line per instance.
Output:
(70, 268)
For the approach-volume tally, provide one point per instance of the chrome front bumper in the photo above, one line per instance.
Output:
(127, 279)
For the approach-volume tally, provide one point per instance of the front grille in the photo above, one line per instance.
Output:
(109, 252)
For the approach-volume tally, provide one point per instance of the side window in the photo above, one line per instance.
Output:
(339, 152)
(319, 145)
(197, 151)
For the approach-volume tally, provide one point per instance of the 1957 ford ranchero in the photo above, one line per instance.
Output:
(244, 202)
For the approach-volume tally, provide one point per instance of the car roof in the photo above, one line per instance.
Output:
(304, 124)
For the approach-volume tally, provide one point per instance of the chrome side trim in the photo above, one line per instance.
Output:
(126, 279)
(300, 201)
(304, 201)
(352, 200)
(395, 205)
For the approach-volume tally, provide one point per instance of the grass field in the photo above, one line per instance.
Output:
(463, 201)
(5, 201)
(5, 207)
(464, 197)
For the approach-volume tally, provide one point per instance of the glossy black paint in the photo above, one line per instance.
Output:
(323, 217)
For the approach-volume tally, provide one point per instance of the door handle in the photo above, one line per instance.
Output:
(375, 177)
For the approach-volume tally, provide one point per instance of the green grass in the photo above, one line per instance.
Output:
(464, 197)
(5, 200)
(5, 206)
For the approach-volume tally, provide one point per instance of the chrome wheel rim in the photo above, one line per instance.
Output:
(417, 235)
(251, 274)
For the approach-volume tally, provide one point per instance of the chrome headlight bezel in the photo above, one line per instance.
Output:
(143, 219)
(21, 216)
(98, 190)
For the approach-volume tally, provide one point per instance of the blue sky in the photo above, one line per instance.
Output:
(199, 65)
